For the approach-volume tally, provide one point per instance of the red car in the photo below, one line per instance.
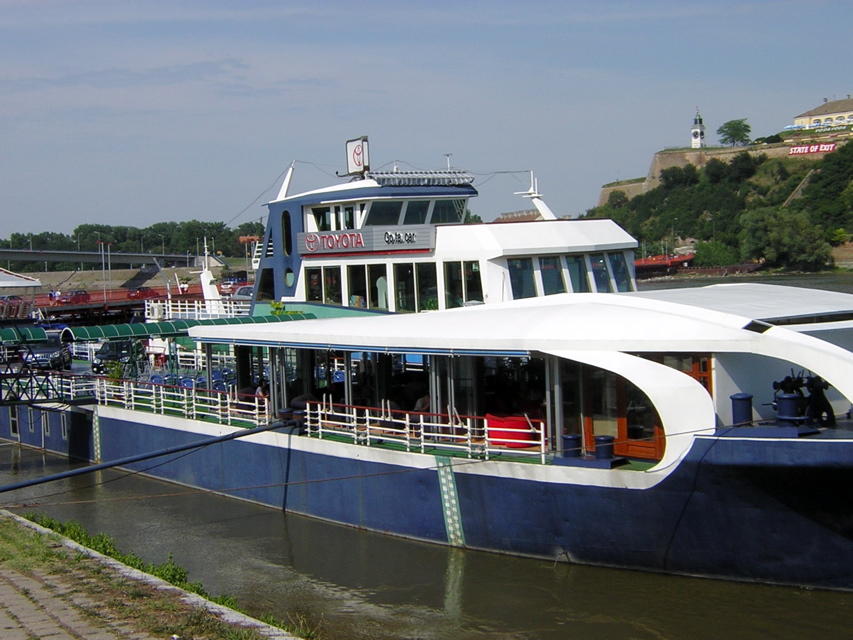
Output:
(141, 293)
(77, 296)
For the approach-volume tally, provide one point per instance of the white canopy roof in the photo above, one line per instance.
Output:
(10, 280)
(705, 319)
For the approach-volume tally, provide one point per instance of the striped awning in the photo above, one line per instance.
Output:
(20, 335)
(166, 329)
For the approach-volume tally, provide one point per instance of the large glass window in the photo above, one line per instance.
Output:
(314, 285)
(416, 212)
(378, 279)
(454, 294)
(462, 283)
(620, 271)
(473, 284)
(521, 277)
(552, 275)
(448, 211)
(357, 285)
(332, 285)
(384, 213)
(404, 284)
(600, 273)
(427, 286)
(577, 274)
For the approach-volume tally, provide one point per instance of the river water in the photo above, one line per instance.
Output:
(353, 585)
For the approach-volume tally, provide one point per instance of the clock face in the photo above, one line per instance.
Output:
(695, 134)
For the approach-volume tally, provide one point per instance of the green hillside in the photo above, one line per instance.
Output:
(786, 211)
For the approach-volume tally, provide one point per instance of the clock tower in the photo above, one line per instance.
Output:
(697, 133)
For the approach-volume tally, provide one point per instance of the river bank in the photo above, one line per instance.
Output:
(52, 586)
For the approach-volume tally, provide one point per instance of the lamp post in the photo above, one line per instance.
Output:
(110, 265)
(163, 244)
(103, 267)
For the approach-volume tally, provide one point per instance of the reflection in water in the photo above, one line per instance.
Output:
(355, 585)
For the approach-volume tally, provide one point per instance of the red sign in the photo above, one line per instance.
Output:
(811, 148)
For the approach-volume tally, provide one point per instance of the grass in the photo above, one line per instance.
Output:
(115, 597)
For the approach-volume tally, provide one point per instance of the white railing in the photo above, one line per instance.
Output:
(450, 434)
(184, 402)
(195, 309)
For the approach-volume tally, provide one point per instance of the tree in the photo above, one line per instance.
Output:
(735, 132)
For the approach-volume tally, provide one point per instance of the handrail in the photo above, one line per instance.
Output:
(421, 432)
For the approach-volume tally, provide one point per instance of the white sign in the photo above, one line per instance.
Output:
(358, 159)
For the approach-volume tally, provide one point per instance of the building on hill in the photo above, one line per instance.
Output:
(809, 137)
(831, 113)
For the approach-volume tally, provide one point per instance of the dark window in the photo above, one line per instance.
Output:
(521, 278)
(447, 211)
(384, 213)
(323, 218)
(577, 274)
(552, 275)
(286, 233)
(416, 212)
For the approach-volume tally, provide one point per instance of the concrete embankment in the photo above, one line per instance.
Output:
(51, 587)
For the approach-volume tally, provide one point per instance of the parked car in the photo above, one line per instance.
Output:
(245, 293)
(141, 293)
(53, 354)
(113, 351)
(76, 296)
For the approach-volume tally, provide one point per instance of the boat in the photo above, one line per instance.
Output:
(701, 431)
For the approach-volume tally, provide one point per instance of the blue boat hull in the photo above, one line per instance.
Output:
(764, 509)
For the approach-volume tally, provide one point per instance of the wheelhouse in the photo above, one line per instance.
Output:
(399, 242)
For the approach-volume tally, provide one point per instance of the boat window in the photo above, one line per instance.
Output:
(552, 275)
(314, 278)
(332, 285)
(265, 289)
(448, 211)
(416, 212)
(322, 218)
(378, 286)
(577, 274)
(454, 296)
(346, 217)
(357, 285)
(462, 286)
(427, 286)
(521, 278)
(286, 233)
(384, 213)
(599, 273)
(473, 285)
(289, 277)
(620, 271)
(404, 283)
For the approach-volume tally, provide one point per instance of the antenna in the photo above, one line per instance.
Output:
(536, 198)
(447, 155)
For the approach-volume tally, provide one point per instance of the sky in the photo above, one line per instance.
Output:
(144, 111)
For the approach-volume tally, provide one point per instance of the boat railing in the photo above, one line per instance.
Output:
(195, 309)
(446, 433)
(190, 401)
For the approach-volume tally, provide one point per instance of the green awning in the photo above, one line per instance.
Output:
(166, 329)
(20, 335)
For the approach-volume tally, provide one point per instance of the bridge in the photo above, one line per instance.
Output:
(100, 257)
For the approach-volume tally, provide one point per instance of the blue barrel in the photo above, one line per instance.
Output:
(741, 408)
(603, 447)
(572, 445)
